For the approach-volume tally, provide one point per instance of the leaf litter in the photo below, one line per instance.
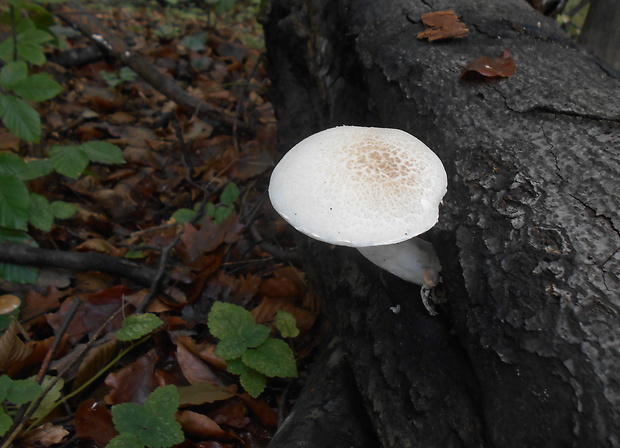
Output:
(175, 160)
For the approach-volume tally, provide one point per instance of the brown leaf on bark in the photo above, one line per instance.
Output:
(502, 66)
(93, 421)
(442, 25)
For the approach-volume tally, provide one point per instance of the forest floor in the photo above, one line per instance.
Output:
(190, 204)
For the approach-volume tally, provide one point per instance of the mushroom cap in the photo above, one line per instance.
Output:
(359, 186)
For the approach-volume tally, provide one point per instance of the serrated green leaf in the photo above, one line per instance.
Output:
(164, 400)
(231, 348)
(253, 382)
(39, 213)
(229, 194)
(103, 152)
(23, 391)
(138, 325)
(38, 87)
(14, 200)
(229, 321)
(286, 324)
(12, 73)
(5, 422)
(36, 168)
(20, 119)
(68, 160)
(62, 209)
(153, 424)
(11, 164)
(51, 398)
(31, 52)
(125, 441)
(236, 366)
(273, 358)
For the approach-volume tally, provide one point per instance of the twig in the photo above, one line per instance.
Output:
(88, 261)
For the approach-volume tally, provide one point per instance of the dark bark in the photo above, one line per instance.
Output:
(601, 32)
(526, 350)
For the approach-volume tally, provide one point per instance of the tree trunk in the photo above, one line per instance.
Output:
(526, 349)
(601, 32)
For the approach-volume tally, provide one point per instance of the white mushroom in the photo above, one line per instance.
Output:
(369, 188)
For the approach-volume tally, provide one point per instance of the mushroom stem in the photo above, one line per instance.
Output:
(413, 260)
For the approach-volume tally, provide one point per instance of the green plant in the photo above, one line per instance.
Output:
(123, 75)
(30, 25)
(218, 212)
(247, 348)
(14, 393)
(152, 424)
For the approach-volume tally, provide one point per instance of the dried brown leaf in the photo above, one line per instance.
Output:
(44, 435)
(93, 421)
(442, 25)
(12, 348)
(95, 359)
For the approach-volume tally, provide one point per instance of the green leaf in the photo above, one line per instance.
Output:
(20, 391)
(183, 215)
(125, 441)
(34, 36)
(39, 87)
(153, 424)
(221, 213)
(20, 119)
(195, 42)
(138, 325)
(103, 152)
(62, 209)
(14, 200)
(5, 385)
(36, 168)
(229, 321)
(51, 398)
(253, 382)
(12, 73)
(12, 272)
(286, 324)
(5, 422)
(231, 348)
(39, 213)
(11, 164)
(229, 194)
(68, 160)
(273, 358)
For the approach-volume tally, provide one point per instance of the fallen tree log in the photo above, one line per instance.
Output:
(526, 349)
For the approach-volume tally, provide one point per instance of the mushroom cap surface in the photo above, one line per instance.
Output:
(359, 186)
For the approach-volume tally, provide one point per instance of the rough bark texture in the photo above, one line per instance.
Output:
(601, 32)
(527, 348)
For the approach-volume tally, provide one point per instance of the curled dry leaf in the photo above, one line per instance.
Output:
(94, 361)
(502, 66)
(442, 25)
(12, 348)
(194, 369)
(201, 426)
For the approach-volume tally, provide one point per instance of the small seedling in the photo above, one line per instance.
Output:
(247, 348)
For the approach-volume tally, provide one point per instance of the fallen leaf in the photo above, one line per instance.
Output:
(12, 348)
(194, 368)
(200, 425)
(133, 383)
(93, 421)
(442, 25)
(44, 435)
(502, 66)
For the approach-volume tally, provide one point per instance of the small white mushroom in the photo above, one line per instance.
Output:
(370, 188)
